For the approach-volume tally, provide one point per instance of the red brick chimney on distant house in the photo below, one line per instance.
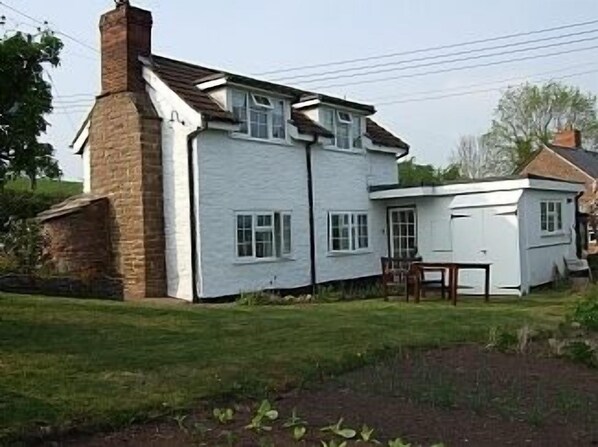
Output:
(568, 137)
(125, 154)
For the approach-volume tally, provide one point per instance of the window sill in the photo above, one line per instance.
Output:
(239, 261)
(242, 136)
(553, 234)
(337, 254)
(345, 151)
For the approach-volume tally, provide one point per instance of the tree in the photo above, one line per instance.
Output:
(475, 159)
(527, 116)
(25, 99)
(414, 174)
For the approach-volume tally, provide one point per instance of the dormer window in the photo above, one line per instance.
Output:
(345, 126)
(259, 116)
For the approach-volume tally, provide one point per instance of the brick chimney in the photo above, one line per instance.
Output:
(126, 154)
(568, 137)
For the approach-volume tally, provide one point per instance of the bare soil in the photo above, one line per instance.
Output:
(462, 396)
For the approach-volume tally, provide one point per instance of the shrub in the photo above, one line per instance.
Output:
(25, 204)
(581, 352)
(23, 245)
(586, 311)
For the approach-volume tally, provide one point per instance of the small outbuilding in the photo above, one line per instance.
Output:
(525, 227)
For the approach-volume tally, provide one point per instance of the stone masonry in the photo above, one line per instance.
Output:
(125, 154)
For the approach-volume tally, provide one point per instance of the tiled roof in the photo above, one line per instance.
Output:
(382, 137)
(307, 126)
(587, 161)
(183, 77)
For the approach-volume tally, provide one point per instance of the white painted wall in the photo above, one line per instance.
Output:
(341, 184)
(383, 168)
(237, 174)
(517, 250)
(85, 157)
(177, 225)
(540, 254)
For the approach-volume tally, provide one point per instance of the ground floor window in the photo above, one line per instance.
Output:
(403, 232)
(348, 231)
(551, 216)
(263, 235)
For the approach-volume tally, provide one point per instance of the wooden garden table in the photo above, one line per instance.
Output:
(453, 276)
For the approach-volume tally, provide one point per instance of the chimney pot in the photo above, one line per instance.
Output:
(568, 137)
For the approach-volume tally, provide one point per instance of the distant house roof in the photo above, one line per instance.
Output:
(585, 160)
(183, 78)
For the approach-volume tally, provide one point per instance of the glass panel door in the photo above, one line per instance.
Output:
(403, 232)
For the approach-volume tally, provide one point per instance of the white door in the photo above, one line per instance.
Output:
(488, 235)
(403, 232)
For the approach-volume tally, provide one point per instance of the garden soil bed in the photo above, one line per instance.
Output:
(462, 396)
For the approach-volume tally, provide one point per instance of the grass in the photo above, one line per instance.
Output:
(47, 186)
(89, 364)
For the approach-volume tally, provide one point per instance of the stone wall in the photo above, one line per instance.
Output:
(78, 239)
(65, 286)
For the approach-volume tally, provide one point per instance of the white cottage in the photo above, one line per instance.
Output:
(220, 184)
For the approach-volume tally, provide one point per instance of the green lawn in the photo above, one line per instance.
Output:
(47, 186)
(90, 363)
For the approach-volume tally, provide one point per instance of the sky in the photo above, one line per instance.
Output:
(258, 36)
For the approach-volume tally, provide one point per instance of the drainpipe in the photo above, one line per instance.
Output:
(312, 230)
(192, 208)
(579, 243)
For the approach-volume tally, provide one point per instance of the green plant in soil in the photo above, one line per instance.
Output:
(366, 434)
(338, 430)
(264, 413)
(585, 311)
(398, 443)
(333, 443)
(223, 415)
(299, 432)
(581, 352)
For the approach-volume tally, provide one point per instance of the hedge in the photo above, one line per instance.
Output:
(25, 204)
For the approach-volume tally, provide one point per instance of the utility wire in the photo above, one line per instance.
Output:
(375, 100)
(451, 61)
(44, 23)
(433, 48)
(465, 67)
(438, 56)
(471, 92)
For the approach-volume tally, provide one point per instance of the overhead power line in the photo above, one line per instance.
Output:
(432, 48)
(450, 61)
(45, 23)
(375, 100)
(471, 92)
(464, 67)
(438, 56)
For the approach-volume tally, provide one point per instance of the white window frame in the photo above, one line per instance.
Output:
(348, 120)
(256, 101)
(279, 241)
(262, 101)
(409, 236)
(352, 218)
(551, 217)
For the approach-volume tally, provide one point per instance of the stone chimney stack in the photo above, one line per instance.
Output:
(126, 155)
(126, 34)
(568, 137)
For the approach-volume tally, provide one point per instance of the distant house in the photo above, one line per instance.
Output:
(566, 159)
(217, 184)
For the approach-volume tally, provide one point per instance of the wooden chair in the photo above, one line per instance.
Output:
(439, 283)
(399, 273)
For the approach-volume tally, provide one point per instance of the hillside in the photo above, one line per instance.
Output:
(47, 186)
